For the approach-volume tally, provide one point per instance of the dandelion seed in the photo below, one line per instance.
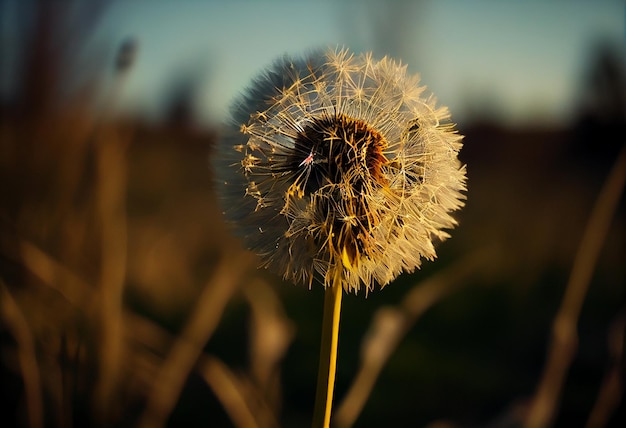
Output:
(308, 160)
(348, 169)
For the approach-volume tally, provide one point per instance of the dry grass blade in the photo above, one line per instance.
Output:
(111, 194)
(27, 357)
(241, 398)
(188, 345)
(271, 333)
(564, 335)
(56, 276)
(228, 390)
(611, 389)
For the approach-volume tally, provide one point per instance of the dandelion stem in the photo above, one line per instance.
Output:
(328, 354)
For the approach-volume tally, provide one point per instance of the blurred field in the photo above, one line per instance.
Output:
(125, 301)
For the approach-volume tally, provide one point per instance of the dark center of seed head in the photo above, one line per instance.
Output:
(339, 148)
(342, 150)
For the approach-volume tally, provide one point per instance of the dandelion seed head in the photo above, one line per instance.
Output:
(345, 166)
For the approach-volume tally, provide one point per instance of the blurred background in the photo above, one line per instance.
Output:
(125, 302)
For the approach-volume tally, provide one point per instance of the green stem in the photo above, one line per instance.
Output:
(328, 355)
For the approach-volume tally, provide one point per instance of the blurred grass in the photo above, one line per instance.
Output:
(126, 302)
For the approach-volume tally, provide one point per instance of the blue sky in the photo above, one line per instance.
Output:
(523, 60)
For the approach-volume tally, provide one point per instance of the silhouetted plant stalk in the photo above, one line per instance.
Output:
(337, 170)
(564, 328)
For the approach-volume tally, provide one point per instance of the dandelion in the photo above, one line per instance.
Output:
(337, 167)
